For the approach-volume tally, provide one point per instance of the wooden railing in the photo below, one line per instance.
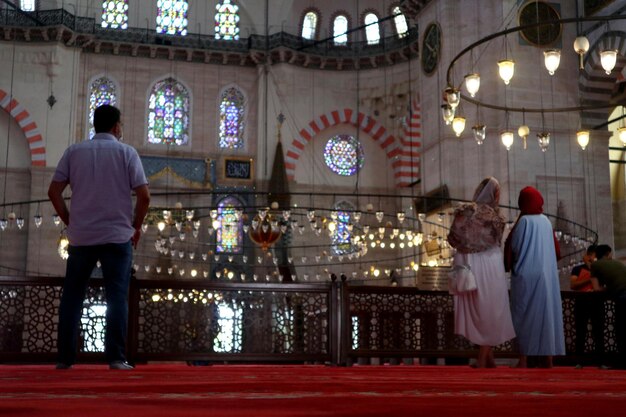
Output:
(208, 321)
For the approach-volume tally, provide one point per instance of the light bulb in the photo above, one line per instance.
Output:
(507, 138)
(552, 58)
(472, 83)
(506, 69)
(582, 137)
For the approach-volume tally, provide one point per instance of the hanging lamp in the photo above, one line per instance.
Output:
(552, 59)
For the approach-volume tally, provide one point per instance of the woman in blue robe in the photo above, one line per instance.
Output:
(531, 254)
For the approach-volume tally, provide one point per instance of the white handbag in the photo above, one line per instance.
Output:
(461, 279)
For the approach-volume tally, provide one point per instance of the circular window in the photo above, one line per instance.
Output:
(342, 154)
(539, 12)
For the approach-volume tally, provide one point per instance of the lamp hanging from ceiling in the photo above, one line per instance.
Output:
(544, 140)
(507, 138)
(552, 59)
(447, 112)
(453, 96)
(458, 125)
(608, 59)
(582, 136)
(472, 83)
(581, 46)
(506, 69)
(479, 132)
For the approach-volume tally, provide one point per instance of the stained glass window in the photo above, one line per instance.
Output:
(229, 234)
(340, 27)
(172, 17)
(341, 236)
(402, 28)
(309, 25)
(227, 21)
(372, 31)
(231, 119)
(28, 5)
(168, 113)
(115, 14)
(342, 154)
(101, 91)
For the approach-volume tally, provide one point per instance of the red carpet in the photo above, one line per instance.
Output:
(251, 391)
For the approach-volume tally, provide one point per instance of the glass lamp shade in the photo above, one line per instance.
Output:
(621, 134)
(552, 58)
(506, 69)
(447, 112)
(544, 140)
(472, 83)
(453, 96)
(507, 138)
(582, 136)
(581, 46)
(479, 132)
(458, 125)
(608, 59)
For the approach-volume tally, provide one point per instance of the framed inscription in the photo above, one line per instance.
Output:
(239, 168)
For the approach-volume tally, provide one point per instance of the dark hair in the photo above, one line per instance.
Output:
(602, 251)
(105, 117)
(591, 249)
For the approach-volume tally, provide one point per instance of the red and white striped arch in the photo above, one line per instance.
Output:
(387, 142)
(411, 143)
(28, 126)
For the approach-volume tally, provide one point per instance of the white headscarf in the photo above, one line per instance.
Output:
(486, 192)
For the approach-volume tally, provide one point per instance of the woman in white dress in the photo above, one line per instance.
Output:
(482, 316)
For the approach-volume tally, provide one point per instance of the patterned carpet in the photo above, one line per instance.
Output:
(238, 390)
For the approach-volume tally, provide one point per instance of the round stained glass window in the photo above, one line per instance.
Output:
(342, 154)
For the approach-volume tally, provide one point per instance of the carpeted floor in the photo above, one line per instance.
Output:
(253, 391)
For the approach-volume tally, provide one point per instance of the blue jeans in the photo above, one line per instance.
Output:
(116, 261)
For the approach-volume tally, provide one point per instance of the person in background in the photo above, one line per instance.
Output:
(482, 316)
(101, 226)
(587, 306)
(531, 254)
(609, 275)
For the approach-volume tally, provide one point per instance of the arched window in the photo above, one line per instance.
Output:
(340, 27)
(341, 236)
(115, 14)
(229, 233)
(28, 5)
(168, 113)
(402, 27)
(231, 119)
(372, 30)
(343, 155)
(309, 25)
(227, 21)
(172, 17)
(101, 91)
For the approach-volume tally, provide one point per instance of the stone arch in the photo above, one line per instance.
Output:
(28, 126)
(403, 169)
(595, 86)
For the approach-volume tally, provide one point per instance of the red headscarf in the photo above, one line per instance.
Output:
(530, 202)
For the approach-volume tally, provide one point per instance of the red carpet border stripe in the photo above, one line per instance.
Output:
(238, 390)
